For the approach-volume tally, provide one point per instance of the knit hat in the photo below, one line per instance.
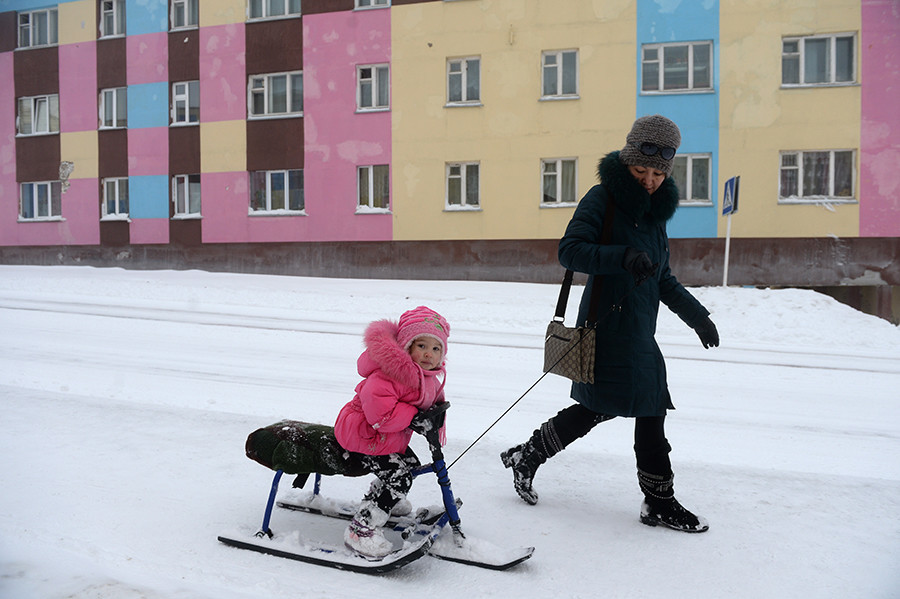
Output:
(422, 321)
(650, 138)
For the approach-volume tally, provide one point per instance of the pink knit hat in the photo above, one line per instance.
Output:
(422, 321)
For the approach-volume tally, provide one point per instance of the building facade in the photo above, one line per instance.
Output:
(280, 127)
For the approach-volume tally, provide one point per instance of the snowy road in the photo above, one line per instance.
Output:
(127, 397)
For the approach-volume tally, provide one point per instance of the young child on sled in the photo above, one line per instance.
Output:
(403, 371)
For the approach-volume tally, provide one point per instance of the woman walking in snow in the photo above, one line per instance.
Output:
(404, 375)
(637, 193)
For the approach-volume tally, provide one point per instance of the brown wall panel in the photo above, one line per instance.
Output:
(186, 231)
(274, 144)
(37, 158)
(184, 150)
(36, 71)
(111, 69)
(274, 46)
(114, 233)
(112, 153)
(9, 31)
(311, 7)
(184, 55)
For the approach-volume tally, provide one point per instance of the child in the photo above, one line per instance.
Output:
(400, 366)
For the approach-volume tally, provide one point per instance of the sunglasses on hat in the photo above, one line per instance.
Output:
(649, 149)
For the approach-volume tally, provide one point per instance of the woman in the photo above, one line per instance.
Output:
(637, 193)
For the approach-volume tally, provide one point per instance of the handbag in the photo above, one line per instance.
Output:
(571, 351)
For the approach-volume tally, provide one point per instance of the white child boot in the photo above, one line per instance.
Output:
(365, 535)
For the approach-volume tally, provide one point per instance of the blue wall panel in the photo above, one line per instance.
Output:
(148, 105)
(148, 196)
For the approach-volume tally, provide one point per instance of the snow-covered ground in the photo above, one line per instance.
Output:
(127, 396)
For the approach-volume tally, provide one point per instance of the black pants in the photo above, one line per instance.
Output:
(651, 448)
(394, 472)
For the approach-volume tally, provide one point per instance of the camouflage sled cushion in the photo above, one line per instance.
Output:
(302, 447)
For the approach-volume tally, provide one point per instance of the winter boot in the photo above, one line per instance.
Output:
(524, 460)
(402, 508)
(365, 535)
(661, 508)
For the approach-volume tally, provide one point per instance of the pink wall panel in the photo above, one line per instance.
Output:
(223, 84)
(879, 160)
(337, 138)
(148, 151)
(148, 57)
(80, 224)
(78, 87)
(9, 189)
(149, 230)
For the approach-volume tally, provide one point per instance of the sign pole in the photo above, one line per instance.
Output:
(727, 248)
(729, 207)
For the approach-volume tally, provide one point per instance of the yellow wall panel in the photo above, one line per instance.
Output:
(223, 147)
(77, 21)
(759, 118)
(80, 148)
(512, 129)
(222, 12)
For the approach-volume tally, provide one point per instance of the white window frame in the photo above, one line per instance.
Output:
(552, 173)
(802, 197)
(184, 205)
(266, 203)
(557, 71)
(114, 11)
(375, 88)
(186, 10)
(458, 68)
(185, 97)
(115, 192)
(48, 209)
(687, 189)
(462, 176)
(116, 100)
(261, 86)
(798, 56)
(28, 27)
(38, 105)
(261, 10)
(658, 87)
(369, 4)
(365, 188)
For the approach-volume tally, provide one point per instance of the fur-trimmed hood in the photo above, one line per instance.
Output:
(631, 197)
(384, 352)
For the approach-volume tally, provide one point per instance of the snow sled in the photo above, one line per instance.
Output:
(304, 449)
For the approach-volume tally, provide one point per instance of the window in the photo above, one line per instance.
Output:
(113, 108)
(40, 201)
(115, 198)
(558, 181)
(185, 13)
(817, 175)
(267, 9)
(276, 191)
(559, 73)
(277, 94)
(462, 185)
(464, 80)
(186, 195)
(372, 3)
(185, 103)
(374, 187)
(38, 114)
(676, 67)
(38, 28)
(818, 60)
(691, 174)
(112, 18)
(373, 87)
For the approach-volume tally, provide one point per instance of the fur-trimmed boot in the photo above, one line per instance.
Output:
(661, 508)
(365, 535)
(524, 459)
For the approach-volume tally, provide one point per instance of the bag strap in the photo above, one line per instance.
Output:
(562, 301)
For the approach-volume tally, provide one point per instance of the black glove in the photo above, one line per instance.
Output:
(638, 264)
(430, 419)
(707, 332)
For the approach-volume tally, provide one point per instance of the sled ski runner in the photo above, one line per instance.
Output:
(303, 448)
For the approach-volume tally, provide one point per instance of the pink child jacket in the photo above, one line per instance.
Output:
(376, 421)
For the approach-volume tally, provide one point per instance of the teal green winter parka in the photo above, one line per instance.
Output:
(629, 374)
